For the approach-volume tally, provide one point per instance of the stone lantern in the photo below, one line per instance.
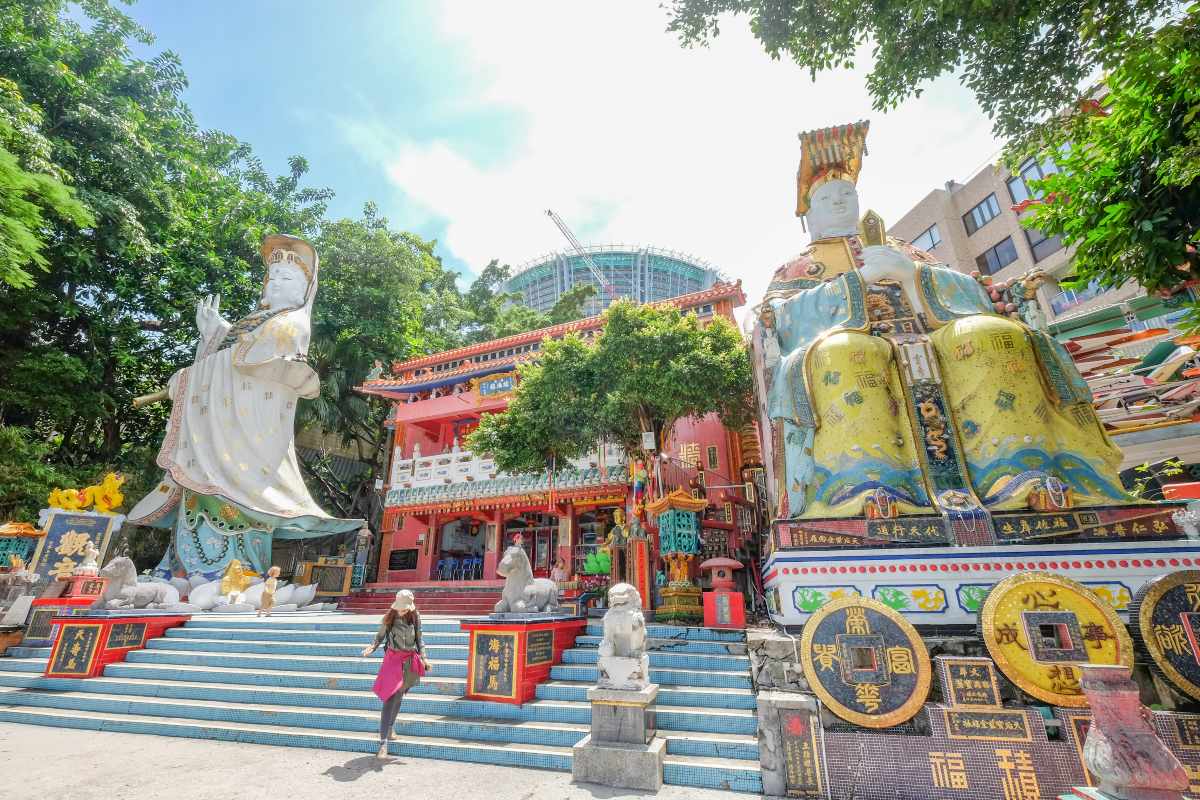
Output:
(724, 606)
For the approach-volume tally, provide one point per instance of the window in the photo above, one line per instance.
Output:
(1042, 245)
(402, 559)
(712, 456)
(981, 214)
(1031, 170)
(996, 258)
(929, 239)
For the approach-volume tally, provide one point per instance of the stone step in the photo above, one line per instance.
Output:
(369, 624)
(360, 638)
(695, 771)
(655, 631)
(27, 652)
(664, 677)
(667, 696)
(534, 756)
(722, 721)
(454, 653)
(551, 690)
(676, 646)
(359, 665)
(668, 659)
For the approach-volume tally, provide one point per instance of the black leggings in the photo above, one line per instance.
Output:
(387, 717)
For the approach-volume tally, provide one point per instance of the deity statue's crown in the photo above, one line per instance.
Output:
(284, 248)
(828, 154)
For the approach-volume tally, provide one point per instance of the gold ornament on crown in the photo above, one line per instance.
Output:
(828, 154)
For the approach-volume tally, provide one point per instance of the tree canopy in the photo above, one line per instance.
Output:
(1023, 59)
(118, 212)
(649, 368)
(1128, 195)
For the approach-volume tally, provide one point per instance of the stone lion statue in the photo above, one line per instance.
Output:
(623, 661)
(522, 592)
(124, 591)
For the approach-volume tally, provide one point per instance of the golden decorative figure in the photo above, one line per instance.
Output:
(234, 582)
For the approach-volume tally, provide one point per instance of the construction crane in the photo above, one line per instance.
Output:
(591, 265)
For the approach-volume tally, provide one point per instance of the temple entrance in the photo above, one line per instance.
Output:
(460, 545)
(539, 532)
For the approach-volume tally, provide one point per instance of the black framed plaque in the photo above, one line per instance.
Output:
(39, 622)
(75, 649)
(801, 753)
(126, 634)
(991, 725)
(539, 648)
(493, 663)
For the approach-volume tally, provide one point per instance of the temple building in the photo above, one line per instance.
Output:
(449, 513)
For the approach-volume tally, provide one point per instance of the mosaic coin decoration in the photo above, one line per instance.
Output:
(866, 662)
(1038, 628)
(1165, 615)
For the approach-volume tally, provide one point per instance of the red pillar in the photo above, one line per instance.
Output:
(491, 556)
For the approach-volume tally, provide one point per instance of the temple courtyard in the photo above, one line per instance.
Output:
(117, 768)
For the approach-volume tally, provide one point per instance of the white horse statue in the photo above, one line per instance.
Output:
(523, 592)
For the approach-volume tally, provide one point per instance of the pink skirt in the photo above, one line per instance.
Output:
(392, 677)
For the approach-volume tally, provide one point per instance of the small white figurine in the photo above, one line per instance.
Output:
(89, 565)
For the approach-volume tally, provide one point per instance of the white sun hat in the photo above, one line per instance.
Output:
(404, 601)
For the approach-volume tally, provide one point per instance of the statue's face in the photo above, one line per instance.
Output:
(286, 286)
(833, 209)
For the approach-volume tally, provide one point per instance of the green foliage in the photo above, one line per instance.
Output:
(648, 369)
(490, 314)
(25, 477)
(117, 213)
(1023, 59)
(1128, 197)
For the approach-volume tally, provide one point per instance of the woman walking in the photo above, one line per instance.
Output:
(404, 661)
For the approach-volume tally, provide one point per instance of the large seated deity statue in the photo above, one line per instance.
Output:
(888, 384)
(232, 482)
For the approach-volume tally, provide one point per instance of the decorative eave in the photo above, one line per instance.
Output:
(677, 500)
(511, 501)
(390, 386)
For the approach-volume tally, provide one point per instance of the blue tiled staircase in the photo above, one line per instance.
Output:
(302, 682)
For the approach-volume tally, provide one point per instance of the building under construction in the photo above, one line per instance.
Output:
(644, 274)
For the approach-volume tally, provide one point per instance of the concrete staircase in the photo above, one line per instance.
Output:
(452, 600)
(300, 681)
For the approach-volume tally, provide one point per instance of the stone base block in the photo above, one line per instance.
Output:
(620, 765)
(622, 716)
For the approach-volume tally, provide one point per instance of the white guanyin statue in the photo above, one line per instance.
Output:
(232, 482)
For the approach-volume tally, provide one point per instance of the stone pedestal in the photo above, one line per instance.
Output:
(622, 750)
(680, 603)
(510, 654)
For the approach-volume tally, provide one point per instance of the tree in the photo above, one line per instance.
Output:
(650, 368)
(1023, 59)
(492, 314)
(380, 299)
(1128, 194)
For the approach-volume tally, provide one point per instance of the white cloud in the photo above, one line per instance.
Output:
(635, 139)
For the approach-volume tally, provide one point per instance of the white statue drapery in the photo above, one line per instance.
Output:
(232, 479)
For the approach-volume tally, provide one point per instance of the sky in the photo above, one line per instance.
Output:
(465, 121)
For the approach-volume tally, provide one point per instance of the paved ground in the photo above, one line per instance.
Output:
(92, 765)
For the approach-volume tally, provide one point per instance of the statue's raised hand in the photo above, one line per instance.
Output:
(884, 262)
(208, 316)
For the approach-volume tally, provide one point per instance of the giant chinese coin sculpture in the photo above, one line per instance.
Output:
(899, 406)
(232, 483)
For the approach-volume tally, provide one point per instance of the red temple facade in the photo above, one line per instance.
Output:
(449, 513)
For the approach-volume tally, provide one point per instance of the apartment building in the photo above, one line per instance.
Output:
(972, 226)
